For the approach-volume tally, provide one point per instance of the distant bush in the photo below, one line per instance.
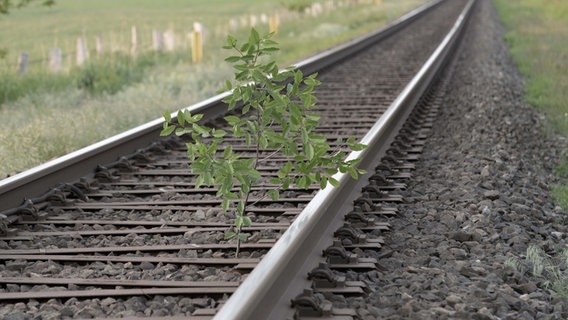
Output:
(102, 75)
(296, 5)
(108, 75)
(14, 86)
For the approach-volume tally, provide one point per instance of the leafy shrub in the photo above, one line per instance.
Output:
(14, 86)
(99, 76)
(296, 5)
(273, 112)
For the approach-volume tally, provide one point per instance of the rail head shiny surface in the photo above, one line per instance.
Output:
(276, 271)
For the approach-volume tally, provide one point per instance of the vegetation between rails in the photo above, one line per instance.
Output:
(50, 115)
(274, 116)
(538, 40)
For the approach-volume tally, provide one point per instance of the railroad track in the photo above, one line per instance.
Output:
(133, 238)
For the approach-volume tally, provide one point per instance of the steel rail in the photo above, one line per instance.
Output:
(35, 182)
(282, 273)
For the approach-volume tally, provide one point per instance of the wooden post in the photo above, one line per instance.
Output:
(23, 63)
(233, 25)
(134, 41)
(99, 44)
(273, 23)
(196, 46)
(55, 59)
(253, 20)
(316, 9)
(330, 5)
(82, 54)
(198, 26)
(244, 21)
(158, 40)
(169, 40)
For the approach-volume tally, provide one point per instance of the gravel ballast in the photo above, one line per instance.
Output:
(479, 196)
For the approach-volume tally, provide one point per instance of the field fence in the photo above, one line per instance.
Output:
(57, 60)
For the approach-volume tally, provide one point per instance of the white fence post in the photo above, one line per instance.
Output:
(158, 40)
(23, 61)
(82, 54)
(169, 40)
(55, 59)
(133, 41)
(99, 44)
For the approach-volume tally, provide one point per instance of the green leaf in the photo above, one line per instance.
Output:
(246, 221)
(167, 130)
(245, 187)
(268, 42)
(195, 117)
(199, 181)
(232, 59)
(241, 206)
(232, 120)
(229, 235)
(218, 133)
(180, 118)
(263, 142)
(298, 75)
(270, 49)
(231, 196)
(243, 236)
(239, 221)
(182, 131)
(225, 204)
(201, 130)
(302, 183)
(231, 41)
(254, 37)
(352, 172)
(309, 150)
(333, 182)
(274, 194)
(323, 182)
(295, 111)
(167, 116)
(228, 151)
(358, 147)
(286, 183)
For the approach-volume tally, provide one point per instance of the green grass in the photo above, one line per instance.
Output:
(538, 38)
(35, 29)
(537, 35)
(548, 267)
(49, 115)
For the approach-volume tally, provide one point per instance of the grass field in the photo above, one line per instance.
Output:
(46, 115)
(60, 25)
(36, 29)
(538, 39)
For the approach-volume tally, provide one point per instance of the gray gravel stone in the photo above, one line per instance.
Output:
(481, 188)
